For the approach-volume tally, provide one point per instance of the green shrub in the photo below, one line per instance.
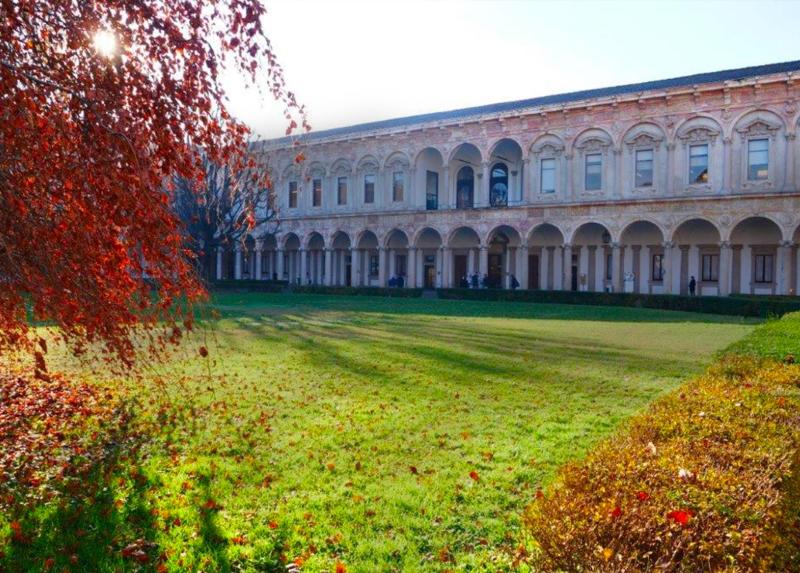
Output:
(778, 339)
(359, 291)
(736, 306)
(705, 480)
(250, 285)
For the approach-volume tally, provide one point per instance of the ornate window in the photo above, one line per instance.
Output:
(398, 186)
(698, 164)
(431, 190)
(644, 168)
(341, 191)
(593, 172)
(758, 159)
(369, 188)
(316, 194)
(547, 176)
(657, 273)
(764, 265)
(292, 194)
(498, 186)
(465, 187)
(710, 268)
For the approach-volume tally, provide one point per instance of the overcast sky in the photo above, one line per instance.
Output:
(356, 61)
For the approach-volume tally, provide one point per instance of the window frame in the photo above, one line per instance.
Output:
(431, 199)
(369, 188)
(657, 276)
(712, 276)
(759, 274)
(689, 166)
(402, 186)
(293, 195)
(316, 192)
(636, 161)
(542, 190)
(494, 198)
(586, 164)
(750, 165)
(459, 203)
(341, 190)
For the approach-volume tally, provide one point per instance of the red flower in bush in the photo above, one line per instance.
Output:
(616, 512)
(681, 516)
(642, 496)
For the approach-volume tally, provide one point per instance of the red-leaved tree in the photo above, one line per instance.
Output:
(102, 104)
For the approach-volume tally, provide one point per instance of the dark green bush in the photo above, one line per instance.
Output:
(736, 306)
(250, 285)
(359, 291)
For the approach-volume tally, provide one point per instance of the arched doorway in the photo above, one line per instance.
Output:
(505, 183)
(696, 254)
(465, 188)
(498, 185)
(544, 256)
(291, 258)
(341, 270)
(366, 261)
(502, 247)
(315, 252)
(464, 246)
(760, 264)
(399, 257)
(590, 264)
(269, 266)
(644, 266)
(429, 168)
(429, 258)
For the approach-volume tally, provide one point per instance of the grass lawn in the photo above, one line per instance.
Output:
(395, 434)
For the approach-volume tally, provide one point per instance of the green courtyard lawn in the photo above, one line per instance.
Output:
(393, 434)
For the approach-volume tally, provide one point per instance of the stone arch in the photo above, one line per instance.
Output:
(511, 233)
(544, 243)
(760, 264)
(317, 169)
(427, 237)
(339, 240)
(698, 128)
(467, 152)
(367, 239)
(368, 163)
(547, 143)
(641, 224)
(314, 240)
(429, 153)
(397, 160)
(592, 138)
(429, 159)
(647, 132)
(341, 167)
(463, 237)
(748, 120)
(505, 160)
(706, 228)
(769, 220)
(587, 230)
(502, 244)
(395, 239)
(506, 145)
(290, 241)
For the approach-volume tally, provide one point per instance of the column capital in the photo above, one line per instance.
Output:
(412, 248)
(567, 246)
(525, 247)
(615, 245)
(483, 247)
(724, 244)
(787, 244)
(790, 136)
(668, 244)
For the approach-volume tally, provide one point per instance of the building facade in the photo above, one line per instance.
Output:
(635, 188)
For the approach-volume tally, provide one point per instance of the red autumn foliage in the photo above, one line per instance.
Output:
(88, 239)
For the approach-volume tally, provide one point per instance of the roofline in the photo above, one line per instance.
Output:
(517, 106)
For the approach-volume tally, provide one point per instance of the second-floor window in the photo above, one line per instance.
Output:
(292, 194)
(698, 164)
(398, 186)
(644, 168)
(498, 186)
(594, 172)
(658, 268)
(369, 188)
(758, 159)
(431, 190)
(764, 265)
(341, 191)
(373, 265)
(316, 192)
(710, 268)
(547, 176)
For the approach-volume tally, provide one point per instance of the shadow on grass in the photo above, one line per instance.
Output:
(100, 518)
(233, 305)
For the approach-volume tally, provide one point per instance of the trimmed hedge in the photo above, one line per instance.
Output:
(736, 306)
(250, 285)
(359, 291)
(708, 479)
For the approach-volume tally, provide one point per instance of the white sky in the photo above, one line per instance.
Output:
(356, 61)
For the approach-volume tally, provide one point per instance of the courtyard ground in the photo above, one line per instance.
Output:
(393, 434)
